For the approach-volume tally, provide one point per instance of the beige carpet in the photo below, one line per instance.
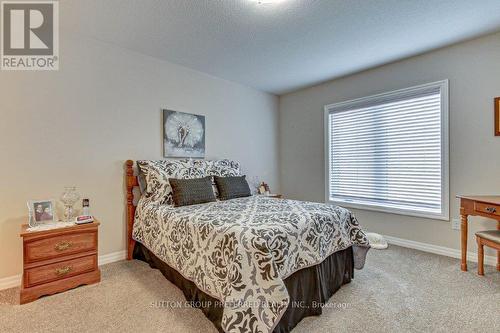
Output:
(400, 290)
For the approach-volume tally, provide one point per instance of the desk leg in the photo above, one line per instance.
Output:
(498, 251)
(463, 231)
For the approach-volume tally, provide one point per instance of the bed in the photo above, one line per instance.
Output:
(252, 264)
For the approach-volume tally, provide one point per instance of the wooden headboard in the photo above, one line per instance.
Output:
(131, 181)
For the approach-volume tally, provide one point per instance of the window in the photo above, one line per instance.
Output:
(389, 152)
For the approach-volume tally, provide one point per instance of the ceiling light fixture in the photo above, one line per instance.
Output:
(268, 2)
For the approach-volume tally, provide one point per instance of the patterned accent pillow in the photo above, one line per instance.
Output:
(192, 191)
(157, 173)
(141, 178)
(232, 187)
(222, 168)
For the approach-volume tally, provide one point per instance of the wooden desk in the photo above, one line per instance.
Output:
(486, 206)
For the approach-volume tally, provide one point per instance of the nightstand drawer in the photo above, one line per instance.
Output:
(60, 270)
(487, 208)
(61, 245)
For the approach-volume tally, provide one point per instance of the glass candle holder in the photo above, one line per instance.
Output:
(69, 198)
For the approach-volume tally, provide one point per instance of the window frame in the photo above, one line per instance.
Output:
(443, 85)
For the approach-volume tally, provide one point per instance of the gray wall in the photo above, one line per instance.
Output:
(78, 125)
(473, 69)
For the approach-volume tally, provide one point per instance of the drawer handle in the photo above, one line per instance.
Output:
(491, 209)
(63, 270)
(63, 246)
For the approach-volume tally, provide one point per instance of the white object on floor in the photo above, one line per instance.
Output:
(377, 241)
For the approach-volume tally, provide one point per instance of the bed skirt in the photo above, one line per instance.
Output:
(308, 288)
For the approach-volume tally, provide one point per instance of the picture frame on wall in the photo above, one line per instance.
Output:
(183, 134)
(497, 116)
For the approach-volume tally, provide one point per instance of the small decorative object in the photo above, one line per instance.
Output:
(86, 207)
(69, 198)
(82, 219)
(264, 188)
(41, 211)
(377, 241)
(497, 116)
(183, 134)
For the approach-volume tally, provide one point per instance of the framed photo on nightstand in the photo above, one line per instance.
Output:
(41, 211)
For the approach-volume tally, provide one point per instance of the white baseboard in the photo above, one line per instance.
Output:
(10, 282)
(15, 280)
(441, 250)
(112, 257)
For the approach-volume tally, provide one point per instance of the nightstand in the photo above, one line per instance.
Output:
(59, 259)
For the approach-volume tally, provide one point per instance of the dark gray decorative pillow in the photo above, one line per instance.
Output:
(191, 191)
(232, 187)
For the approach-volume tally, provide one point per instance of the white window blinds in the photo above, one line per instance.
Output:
(390, 151)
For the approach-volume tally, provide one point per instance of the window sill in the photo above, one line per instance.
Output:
(390, 210)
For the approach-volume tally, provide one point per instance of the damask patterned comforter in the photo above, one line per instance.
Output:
(239, 251)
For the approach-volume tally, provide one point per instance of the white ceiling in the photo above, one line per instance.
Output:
(285, 46)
